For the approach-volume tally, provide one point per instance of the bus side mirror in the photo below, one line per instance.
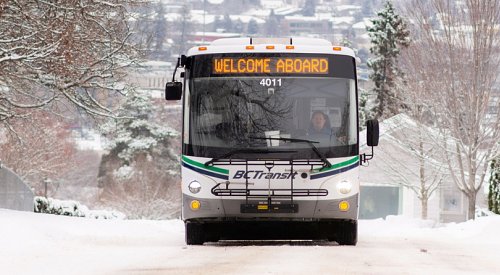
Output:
(372, 132)
(173, 90)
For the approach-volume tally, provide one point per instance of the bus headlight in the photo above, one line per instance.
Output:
(194, 187)
(344, 187)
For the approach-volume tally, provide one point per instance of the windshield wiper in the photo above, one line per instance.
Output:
(327, 164)
(247, 151)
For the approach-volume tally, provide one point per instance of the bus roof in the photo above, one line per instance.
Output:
(270, 45)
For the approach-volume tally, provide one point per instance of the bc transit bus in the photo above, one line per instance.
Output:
(270, 140)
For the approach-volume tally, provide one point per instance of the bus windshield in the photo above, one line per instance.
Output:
(271, 112)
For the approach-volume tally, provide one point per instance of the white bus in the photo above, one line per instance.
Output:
(270, 141)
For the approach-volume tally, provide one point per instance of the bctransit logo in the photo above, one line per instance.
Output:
(242, 174)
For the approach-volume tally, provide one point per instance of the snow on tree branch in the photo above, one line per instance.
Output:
(72, 49)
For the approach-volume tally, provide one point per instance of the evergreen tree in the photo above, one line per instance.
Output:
(388, 34)
(346, 42)
(252, 27)
(217, 23)
(349, 34)
(494, 188)
(272, 24)
(309, 8)
(139, 174)
(137, 132)
(184, 28)
(364, 110)
(238, 26)
(227, 23)
(160, 30)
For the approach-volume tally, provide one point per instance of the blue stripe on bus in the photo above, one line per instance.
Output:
(334, 172)
(205, 172)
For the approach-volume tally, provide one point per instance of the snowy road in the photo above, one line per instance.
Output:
(45, 244)
(377, 256)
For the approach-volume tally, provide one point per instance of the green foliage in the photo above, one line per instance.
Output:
(388, 34)
(494, 188)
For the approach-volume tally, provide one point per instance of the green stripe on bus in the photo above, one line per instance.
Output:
(201, 165)
(338, 165)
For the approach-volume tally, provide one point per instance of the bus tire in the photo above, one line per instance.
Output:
(348, 234)
(194, 233)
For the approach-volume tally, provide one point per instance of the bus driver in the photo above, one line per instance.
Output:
(321, 131)
(320, 125)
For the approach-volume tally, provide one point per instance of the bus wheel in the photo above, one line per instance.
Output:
(348, 234)
(194, 233)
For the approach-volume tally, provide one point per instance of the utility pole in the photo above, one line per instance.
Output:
(46, 181)
(204, 12)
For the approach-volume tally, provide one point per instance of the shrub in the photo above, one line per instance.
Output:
(72, 208)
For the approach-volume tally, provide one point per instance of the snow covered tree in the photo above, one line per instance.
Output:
(238, 26)
(181, 29)
(388, 34)
(141, 164)
(494, 187)
(272, 23)
(309, 8)
(135, 133)
(218, 23)
(42, 149)
(227, 23)
(253, 27)
(364, 110)
(160, 31)
(345, 42)
(458, 66)
(421, 168)
(65, 53)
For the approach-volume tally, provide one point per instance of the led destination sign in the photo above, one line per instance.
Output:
(272, 65)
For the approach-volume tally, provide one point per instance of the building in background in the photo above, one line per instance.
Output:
(14, 192)
(382, 194)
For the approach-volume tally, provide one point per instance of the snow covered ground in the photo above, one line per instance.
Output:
(47, 244)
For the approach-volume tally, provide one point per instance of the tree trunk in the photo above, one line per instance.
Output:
(424, 201)
(471, 213)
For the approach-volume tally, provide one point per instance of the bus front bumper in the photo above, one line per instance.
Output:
(240, 209)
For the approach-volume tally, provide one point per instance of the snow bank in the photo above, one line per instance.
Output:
(393, 226)
(36, 243)
(33, 243)
(483, 229)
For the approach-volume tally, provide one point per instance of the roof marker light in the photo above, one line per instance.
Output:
(270, 47)
(337, 48)
(202, 48)
(250, 47)
(290, 47)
